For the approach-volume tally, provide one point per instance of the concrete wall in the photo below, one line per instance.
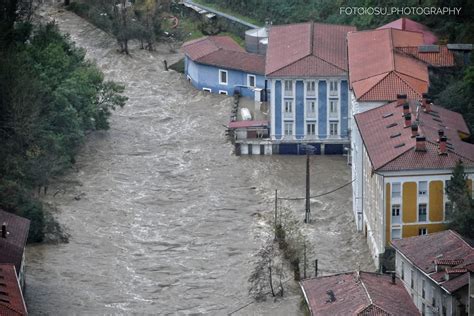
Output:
(432, 292)
(205, 76)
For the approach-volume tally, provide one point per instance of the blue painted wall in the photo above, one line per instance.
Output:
(322, 109)
(205, 76)
(278, 109)
(299, 114)
(344, 107)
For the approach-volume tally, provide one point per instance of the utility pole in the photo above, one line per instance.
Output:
(315, 267)
(276, 213)
(309, 149)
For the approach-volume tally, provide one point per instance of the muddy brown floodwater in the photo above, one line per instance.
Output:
(163, 217)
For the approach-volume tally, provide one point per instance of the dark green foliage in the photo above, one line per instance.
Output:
(49, 97)
(461, 213)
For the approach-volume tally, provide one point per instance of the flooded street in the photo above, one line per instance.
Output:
(163, 217)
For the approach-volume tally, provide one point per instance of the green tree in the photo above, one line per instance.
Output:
(461, 212)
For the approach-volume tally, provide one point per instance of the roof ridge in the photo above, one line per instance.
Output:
(386, 73)
(364, 287)
(311, 38)
(10, 307)
(392, 55)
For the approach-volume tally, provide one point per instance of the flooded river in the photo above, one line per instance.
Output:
(163, 217)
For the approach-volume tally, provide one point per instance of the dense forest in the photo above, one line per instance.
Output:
(50, 97)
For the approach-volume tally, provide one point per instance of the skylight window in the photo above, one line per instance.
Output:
(387, 115)
(395, 135)
(400, 145)
(392, 125)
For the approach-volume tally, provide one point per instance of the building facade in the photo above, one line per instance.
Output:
(406, 165)
(437, 271)
(306, 69)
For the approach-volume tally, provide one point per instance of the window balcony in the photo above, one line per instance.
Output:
(287, 115)
(311, 114)
(288, 93)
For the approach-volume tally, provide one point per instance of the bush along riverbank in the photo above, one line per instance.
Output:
(50, 97)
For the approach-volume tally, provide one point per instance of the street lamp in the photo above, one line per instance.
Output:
(309, 150)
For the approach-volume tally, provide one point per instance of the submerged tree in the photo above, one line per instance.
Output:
(461, 212)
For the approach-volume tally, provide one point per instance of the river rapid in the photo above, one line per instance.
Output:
(163, 218)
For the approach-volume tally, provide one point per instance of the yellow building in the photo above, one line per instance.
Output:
(409, 152)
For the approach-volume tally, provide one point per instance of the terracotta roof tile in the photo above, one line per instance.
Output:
(223, 51)
(410, 25)
(11, 304)
(356, 293)
(289, 47)
(424, 251)
(443, 58)
(389, 153)
(12, 247)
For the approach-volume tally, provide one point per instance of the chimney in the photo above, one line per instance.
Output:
(428, 103)
(406, 108)
(4, 230)
(440, 134)
(393, 278)
(401, 98)
(414, 130)
(407, 120)
(424, 99)
(420, 143)
(442, 150)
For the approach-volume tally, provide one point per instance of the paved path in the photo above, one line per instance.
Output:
(222, 14)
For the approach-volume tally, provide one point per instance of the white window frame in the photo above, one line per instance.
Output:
(309, 111)
(426, 212)
(288, 92)
(221, 71)
(333, 107)
(422, 231)
(311, 87)
(223, 92)
(313, 132)
(399, 193)
(398, 217)
(331, 130)
(254, 81)
(420, 191)
(289, 109)
(333, 86)
(207, 90)
(399, 230)
(285, 124)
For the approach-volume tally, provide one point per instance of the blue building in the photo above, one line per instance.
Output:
(307, 72)
(218, 64)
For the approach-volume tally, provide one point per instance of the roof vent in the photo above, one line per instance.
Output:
(428, 49)
(331, 296)
(391, 125)
(399, 145)
(401, 98)
(387, 115)
(395, 135)
(420, 144)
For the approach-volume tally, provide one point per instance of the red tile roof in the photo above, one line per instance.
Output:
(378, 72)
(443, 58)
(223, 51)
(423, 251)
(406, 24)
(390, 145)
(12, 247)
(11, 297)
(357, 293)
(307, 50)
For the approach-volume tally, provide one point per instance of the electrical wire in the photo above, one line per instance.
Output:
(316, 196)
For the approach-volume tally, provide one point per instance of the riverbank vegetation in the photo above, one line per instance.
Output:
(50, 97)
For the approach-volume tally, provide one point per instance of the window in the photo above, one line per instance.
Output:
(288, 87)
(288, 128)
(333, 107)
(423, 293)
(206, 89)
(433, 298)
(288, 106)
(222, 76)
(251, 81)
(448, 208)
(333, 87)
(223, 92)
(311, 87)
(422, 187)
(422, 231)
(311, 129)
(396, 189)
(423, 309)
(403, 271)
(422, 213)
(396, 233)
(333, 128)
(412, 279)
(311, 107)
(396, 213)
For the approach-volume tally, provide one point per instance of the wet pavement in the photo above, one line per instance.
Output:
(163, 218)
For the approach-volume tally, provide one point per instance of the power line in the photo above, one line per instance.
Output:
(318, 195)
